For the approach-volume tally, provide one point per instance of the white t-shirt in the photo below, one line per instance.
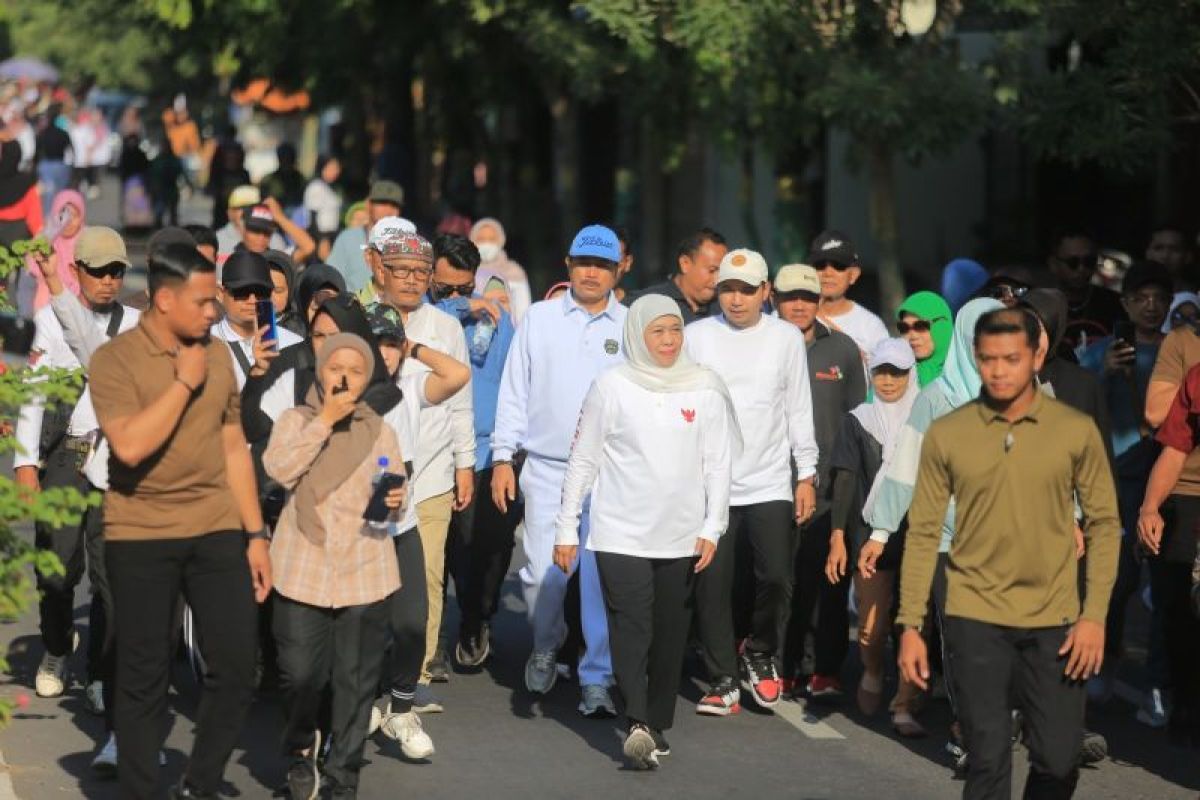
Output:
(405, 420)
(861, 325)
(657, 466)
(765, 368)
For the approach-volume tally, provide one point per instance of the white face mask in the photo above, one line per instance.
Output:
(488, 251)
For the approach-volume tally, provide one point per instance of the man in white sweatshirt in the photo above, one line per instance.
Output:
(763, 362)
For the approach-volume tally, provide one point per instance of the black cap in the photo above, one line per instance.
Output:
(386, 322)
(832, 246)
(260, 219)
(1147, 273)
(243, 269)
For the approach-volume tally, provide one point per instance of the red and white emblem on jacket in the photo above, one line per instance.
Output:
(689, 414)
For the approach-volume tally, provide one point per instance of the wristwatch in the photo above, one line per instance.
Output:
(264, 534)
(416, 348)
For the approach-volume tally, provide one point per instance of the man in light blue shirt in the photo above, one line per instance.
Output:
(560, 348)
(386, 200)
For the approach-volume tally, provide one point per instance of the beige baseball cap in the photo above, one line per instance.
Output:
(98, 246)
(743, 265)
(243, 196)
(797, 278)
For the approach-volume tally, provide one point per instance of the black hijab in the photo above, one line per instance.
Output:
(14, 184)
(314, 278)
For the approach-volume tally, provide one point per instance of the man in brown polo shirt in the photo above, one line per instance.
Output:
(180, 508)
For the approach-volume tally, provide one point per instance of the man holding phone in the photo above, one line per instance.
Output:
(245, 280)
(1123, 362)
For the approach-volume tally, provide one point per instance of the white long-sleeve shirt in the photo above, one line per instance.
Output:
(657, 466)
(766, 370)
(558, 351)
(56, 348)
(447, 440)
(225, 332)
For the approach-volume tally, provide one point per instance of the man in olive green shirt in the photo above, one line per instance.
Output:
(1016, 630)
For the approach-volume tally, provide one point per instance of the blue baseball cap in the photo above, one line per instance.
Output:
(596, 241)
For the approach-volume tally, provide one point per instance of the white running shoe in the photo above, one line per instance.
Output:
(51, 680)
(379, 711)
(94, 697)
(1153, 711)
(407, 730)
(105, 762)
(540, 671)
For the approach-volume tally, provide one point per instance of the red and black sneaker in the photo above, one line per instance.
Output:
(722, 699)
(760, 678)
(824, 687)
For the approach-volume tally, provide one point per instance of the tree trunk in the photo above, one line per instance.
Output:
(884, 225)
(566, 165)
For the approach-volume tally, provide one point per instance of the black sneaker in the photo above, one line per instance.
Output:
(474, 648)
(1094, 748)
(302, 782)
(661, 746)
(181, 791)
(439, 668)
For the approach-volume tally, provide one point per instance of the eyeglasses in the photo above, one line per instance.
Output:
(1005, 292)
(1077, 263)
(246, 292)
(116, 271)
(820, 265)
(444, 290)
(921, 325)
(422, 273)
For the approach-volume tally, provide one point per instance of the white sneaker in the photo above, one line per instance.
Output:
(51, 680)
(407, 730)
(94, 697)
(105, 761)
(379, 711)
(1153, 711)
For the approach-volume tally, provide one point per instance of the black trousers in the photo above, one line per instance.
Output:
(340, 649)
(1170, 587)
(480, 548)
(70, 542)
(408, 609)
(746, 590)
(817, 606)
(996, 667)
(647, 600)
(146, 579)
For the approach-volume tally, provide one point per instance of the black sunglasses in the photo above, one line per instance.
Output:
(1080, 262)
(921, 325)
(1005, 292)
(245, 292)
(820, 265)
(444, 290)
(116, 270)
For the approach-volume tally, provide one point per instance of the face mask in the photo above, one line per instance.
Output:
(488, 251)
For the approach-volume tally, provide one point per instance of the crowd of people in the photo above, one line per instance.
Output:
(314, 422)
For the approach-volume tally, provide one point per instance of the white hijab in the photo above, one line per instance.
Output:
(684, 375)
(884, 421)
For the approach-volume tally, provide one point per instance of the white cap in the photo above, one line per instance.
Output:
(797, 278)
(388, 229)
(743, 265)
(893, 352)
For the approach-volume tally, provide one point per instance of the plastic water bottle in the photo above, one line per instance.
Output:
(481, 340)
(383, 470)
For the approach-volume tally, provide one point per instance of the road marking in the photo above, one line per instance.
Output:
(796, 715)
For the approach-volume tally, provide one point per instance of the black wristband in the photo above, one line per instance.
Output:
(416, 348)
(264, 534)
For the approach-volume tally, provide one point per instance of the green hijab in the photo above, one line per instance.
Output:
(932, 308)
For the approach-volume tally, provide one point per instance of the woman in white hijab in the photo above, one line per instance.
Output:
(654, 448)
(867, 442)
(488, 235)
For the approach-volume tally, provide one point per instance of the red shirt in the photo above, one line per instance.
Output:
(28, 208)
(1181, 429)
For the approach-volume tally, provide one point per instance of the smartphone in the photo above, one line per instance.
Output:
(342, 387)
(377, 510)
(1124, 331)
(264, 312)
